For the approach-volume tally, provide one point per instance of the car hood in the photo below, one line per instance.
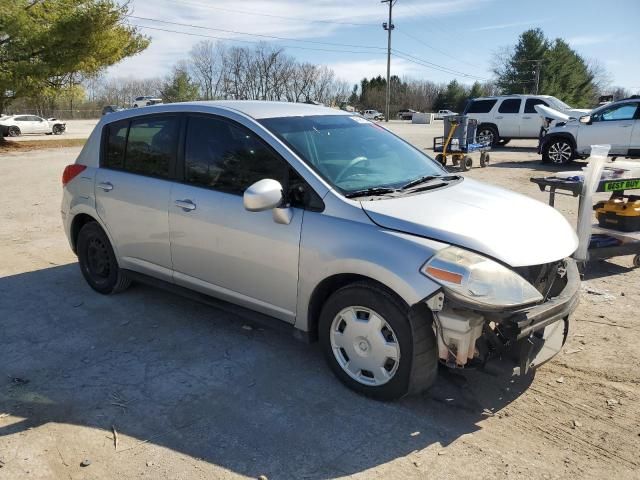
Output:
(548, 112)
(505, 225)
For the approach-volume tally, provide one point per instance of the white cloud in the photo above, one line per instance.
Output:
(501, 26)
(303, 21)
(582, 40)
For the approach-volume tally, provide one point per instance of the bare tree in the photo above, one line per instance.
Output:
(206, 62)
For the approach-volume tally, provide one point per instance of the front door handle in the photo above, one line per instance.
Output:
(186, 205)
(499, 117)
(106, 186)
(625, 126)
(526, 118)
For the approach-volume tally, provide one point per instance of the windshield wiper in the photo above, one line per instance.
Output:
(428, 178)
(367, 192)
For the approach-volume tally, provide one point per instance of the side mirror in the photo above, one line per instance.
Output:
(586, 119)
(263, 195)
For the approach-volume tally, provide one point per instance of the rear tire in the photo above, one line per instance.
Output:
(363, 324)
(14, 132)
(488, 132)
(98, 262)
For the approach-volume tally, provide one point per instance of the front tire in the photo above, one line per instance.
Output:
(57, 130)
(557, 151)
(98, 262)
(375, 345)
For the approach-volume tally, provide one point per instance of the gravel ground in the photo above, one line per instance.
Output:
(193, 391)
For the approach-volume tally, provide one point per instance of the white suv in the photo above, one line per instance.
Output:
(146, 101)
(505, 117)
(616, 124)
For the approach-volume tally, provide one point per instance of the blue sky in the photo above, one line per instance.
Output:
(459, 35)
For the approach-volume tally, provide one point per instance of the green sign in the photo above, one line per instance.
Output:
(622, 185)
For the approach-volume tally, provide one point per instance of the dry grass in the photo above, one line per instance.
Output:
(8, 146)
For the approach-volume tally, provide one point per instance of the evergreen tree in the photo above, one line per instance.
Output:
(179, 87)
(566, 75)
(516, 73)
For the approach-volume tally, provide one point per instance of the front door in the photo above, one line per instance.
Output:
(613, 126)
(132, 190)
(217, 246)
(531, 122)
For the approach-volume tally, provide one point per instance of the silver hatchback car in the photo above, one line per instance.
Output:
(328, 222)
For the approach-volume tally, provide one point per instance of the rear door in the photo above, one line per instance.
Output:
(217, 246)
(613, 125)
(24, 124)
(133, 189)
(508, 117)
(531, 122)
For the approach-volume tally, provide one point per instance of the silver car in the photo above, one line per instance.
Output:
(329, 222)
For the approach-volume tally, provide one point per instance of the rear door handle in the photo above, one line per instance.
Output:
(625, 126)
(186, 205)
(526, 118)
(106, 186)
(500, 117)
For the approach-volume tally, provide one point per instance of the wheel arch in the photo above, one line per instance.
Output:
(489, 124)
(327, 287)
(79, 221)
(564, 135)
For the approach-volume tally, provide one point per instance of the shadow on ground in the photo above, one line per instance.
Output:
(189, 377)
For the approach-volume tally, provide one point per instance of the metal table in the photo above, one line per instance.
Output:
(629, 242)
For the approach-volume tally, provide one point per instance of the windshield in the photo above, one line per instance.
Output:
(351, 153)
(558, 104)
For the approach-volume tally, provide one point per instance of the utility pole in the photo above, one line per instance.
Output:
(538, 68)
(388, 27)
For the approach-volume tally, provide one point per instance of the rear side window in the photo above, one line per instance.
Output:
(227, 157)
(510, 105)
(481, 106)
(145, 146)
(115, 145)
(151, 146)
(531, 103)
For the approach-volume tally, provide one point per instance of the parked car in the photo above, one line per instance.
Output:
(373, 115)
(111, 109)
(16, 125)
(443, 113)
(616, 124)
(505, 117)
(406, 114)
(320, 218)
(146, 101)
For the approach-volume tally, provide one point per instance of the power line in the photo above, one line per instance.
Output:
(249, 41)
(271, 15)
(435, 66)
(273, 37)
(442, 52)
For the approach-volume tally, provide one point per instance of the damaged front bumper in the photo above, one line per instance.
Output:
(530, 336)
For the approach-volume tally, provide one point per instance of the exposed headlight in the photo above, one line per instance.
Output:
(479, 280)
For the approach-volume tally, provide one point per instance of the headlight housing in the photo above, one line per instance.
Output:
(479, 280)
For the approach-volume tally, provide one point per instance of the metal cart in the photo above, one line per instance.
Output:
(605, 242)
(459, 140)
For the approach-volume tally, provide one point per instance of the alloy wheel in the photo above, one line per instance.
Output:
(560, 152)
(365, 346)
(485, 135)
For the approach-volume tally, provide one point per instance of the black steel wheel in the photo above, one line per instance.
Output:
(98, 262)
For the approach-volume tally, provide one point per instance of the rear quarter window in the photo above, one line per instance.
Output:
(115, 143)
(480, 106)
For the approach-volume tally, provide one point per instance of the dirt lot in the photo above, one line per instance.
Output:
(199, 392)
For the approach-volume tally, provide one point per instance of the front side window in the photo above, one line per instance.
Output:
(352, 153)
(510, 105)
(225, 156)
(625, 111)
(529, 106)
